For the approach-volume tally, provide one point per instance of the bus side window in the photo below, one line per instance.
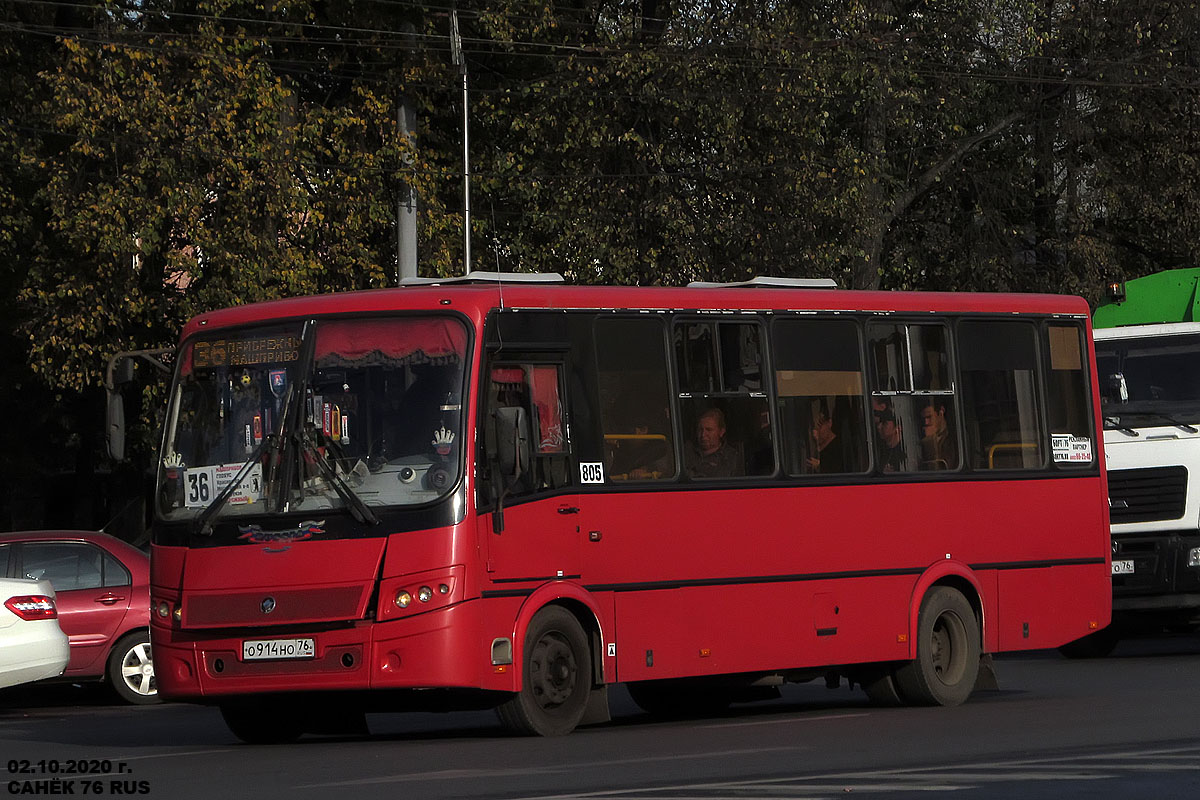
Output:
(1067, 391)
(635, 399)
(724, 413)
(819, 380)
(1000, 394)
(913, 397)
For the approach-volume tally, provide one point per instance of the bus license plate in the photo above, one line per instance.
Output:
(263, 649)
(1123, 567)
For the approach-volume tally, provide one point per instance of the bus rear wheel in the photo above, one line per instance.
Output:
(948, 648)
(556, 677)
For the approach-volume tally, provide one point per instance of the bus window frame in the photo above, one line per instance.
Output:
(1087, 363)
(948, 323)
(665, 320)
(859, 323)
(767, 389)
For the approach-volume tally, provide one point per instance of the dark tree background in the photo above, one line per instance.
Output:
(161, 158)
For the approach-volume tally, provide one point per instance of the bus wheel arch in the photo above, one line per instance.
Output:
(947, 647)
(957, 576)
(576, 601)
(555, 669)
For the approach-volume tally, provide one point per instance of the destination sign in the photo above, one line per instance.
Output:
(245, 352)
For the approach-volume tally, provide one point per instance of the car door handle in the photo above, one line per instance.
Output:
(568, 510)
(109, 599)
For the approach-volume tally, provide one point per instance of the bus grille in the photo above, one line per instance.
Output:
(1146, 495)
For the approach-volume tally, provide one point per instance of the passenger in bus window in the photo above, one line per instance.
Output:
(889, 438)
(649, 456)
(939, 449)
(710, 456)
(827, 457)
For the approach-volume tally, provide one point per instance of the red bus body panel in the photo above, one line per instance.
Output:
(676, 582)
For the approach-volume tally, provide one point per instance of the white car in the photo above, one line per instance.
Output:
(32, 646)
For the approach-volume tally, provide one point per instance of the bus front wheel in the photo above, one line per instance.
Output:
(556, 679)
(948, 648)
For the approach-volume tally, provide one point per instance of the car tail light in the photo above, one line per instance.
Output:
(32, 606)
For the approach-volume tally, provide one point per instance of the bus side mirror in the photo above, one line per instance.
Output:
(510, 453)
(513, 451)
(123, 371)
(115, 417)
(120, 372)
(1118, 386)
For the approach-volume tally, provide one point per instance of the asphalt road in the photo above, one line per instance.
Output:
(1123, 726)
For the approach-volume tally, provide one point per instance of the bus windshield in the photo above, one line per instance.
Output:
(1150, 376)
(309, 417)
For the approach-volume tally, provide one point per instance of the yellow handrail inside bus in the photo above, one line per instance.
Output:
(1018, 446)
(639, 437)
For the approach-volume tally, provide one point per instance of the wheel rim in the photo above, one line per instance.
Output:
(947, 647)
(137, 670)
(553, 670)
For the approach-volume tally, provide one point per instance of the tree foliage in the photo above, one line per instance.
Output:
(161, 158)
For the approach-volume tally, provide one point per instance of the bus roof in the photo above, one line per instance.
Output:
(476, 299)
(1168, 296)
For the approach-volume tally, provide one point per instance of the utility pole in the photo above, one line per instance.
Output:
(406, 204)
(456, 54)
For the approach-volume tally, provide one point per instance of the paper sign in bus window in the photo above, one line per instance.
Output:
(1071, 449)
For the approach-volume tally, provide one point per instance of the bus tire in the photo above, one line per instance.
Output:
(947, 662)
(263, 721)
(556, 677)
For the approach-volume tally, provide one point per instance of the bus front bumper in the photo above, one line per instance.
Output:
(438, 649)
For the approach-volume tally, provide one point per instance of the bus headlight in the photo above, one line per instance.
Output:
(1194, 557)
(421, 592)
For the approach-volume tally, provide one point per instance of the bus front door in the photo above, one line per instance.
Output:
(541, 535)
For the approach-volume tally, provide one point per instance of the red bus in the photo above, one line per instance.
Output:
(504, 491)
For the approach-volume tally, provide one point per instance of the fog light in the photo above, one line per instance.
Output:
(1194, 557)
(425, 594)
(403, 598)
(164, 609)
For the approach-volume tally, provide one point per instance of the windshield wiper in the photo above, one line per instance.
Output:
(1181, 425)
(358, 508)
(281, 477)
(1114, 424)
(204, 521)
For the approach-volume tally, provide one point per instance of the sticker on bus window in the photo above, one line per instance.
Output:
(1071, 449)
(591, 472)
(202, 485)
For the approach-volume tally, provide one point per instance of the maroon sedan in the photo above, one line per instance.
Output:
(102, 589)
